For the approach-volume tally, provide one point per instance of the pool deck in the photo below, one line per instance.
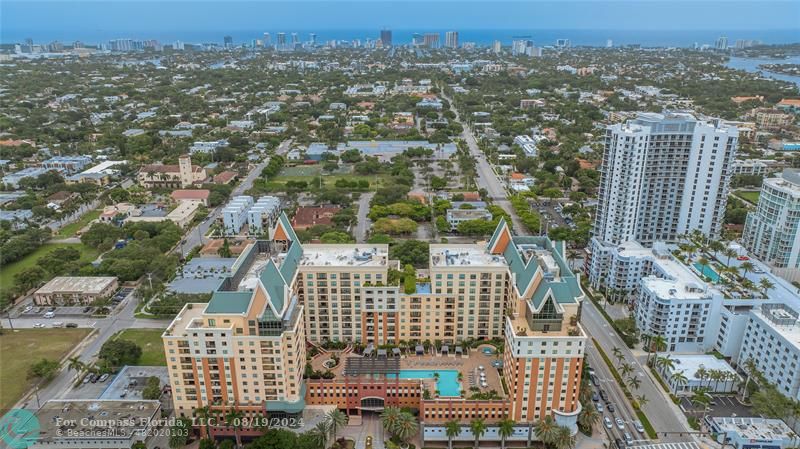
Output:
(467, 365)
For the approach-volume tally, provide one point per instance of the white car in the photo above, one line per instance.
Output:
(49, 315)
(28, 308)
(599, 407)
(628, 439)
(38, 325)
(620, 424)
(638, 426)
(57, 324)
(607, 422)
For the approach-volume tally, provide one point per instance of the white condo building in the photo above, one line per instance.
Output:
(772, 230)
(772, 341)
(664, 175)
(234, 215)
(261, 217)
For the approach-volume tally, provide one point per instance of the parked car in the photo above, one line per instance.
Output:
(611, 407)
(87, 309)
(87, 378)
(595, 397)
(607, 422)
(619, 444)
(28, 308)
(57, 324)
(72, 324)
(594, 380)
(95, 377)
(620, 424)
(638, 426)
(37, 325)
(49, 315)
(103, 378)
(742, 258)
(604, 395)
(599, 407)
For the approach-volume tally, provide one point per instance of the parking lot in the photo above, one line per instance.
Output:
(720, 406)
(30, 310)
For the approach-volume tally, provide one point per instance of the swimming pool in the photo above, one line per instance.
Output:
(447, 384)
(707, 271)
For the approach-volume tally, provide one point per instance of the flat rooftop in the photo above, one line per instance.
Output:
(77, 284)
(446, 255)
(365, 255)
(67, 420)
(689, 364)
(754, 428)
(790, 332)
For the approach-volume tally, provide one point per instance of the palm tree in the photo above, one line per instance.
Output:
(700, 397)
(74, 363)
(642, 400)
(336, 421)
(452, 429)
(320, 434)
(747, 266)
(390, 417)
(728, 253)
(634, 382)
(478, 427)
(665, 363)
(625, 369)
(679, 379)
(546, 430)
(234, 419)
(657, 343)
(589, 416)
(202, 414)
(563, 438)
(505, 428)
(618, 354)
(750, 370)
(765, 284)
(406, 426)
(701, 374)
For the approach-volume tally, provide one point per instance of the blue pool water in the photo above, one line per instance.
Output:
(707, 271)
(447, 384)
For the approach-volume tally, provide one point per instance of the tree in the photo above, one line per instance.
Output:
(152, 390)
(179, 434)
(505, 428)
(233, 418)
(728, 253)
(657, 343)
(589, 416)
(452, 429)
(642, 400)
(414, 252)
(320, 433)
(546, 430)
(390, 418)
(44, 370)
(203, 415)
(765, 285)
(750, 370)
(336, 421)
(29, 278)
(225, 249)
(618, 354)
(478, 428)
(406, 427)
(679, 380)
(120, 352)
(74, 363)
(563, 438)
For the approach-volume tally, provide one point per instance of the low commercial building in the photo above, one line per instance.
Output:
(752, 432)
(182, 215)
(457, 216)
(69, 290)
(191, 195)
(90, 424)
(67, 164)
(700, 371)
(308, 216)
(13, 179)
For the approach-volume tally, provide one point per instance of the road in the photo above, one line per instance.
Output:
(663, 413)
(487, 178)
(196, 236)
(363, 224)
(665, 416)
(88, 349)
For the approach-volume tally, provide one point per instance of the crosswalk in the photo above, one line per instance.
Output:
(681, 445)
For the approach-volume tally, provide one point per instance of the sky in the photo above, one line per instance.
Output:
(18, 17)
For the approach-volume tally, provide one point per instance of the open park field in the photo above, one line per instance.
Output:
(150, 342)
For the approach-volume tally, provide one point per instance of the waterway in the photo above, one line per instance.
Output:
(751, 65)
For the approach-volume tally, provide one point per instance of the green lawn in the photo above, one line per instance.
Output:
(150, 342)
(70, 229)
(7, 273)
(22, 348)
(748, 196)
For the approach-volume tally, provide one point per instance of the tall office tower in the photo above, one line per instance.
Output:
(178, 45)
(295, 39)
(522, 46)
(431, 40)
(497, 47)
(772, 230)
(563, 43)
(417, 40)
(228, 40)
(451, 39)
(281, 39)
(609, 43)
(312, 38)
(722, 43)
(267, 40)
(663, 175)
(386, 37)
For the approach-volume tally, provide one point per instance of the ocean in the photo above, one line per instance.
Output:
(485, 37)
